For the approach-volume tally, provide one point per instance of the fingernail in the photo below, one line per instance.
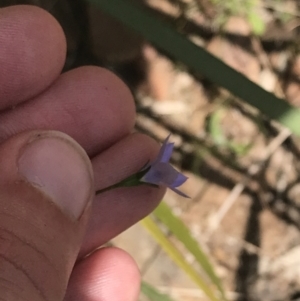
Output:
(54, 163)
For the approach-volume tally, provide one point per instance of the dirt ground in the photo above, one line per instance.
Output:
(244, 209)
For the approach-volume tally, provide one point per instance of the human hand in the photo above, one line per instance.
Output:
(43, 246)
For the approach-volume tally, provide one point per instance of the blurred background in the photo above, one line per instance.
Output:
(235, 123)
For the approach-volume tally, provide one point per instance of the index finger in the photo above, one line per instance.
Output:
(32, 53)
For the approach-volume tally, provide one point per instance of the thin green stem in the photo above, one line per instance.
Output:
(133, 180)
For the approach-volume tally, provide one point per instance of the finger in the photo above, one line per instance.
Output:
(116, 210)
(32, 53)
(108, 274)
(46, 188)
(90, 104)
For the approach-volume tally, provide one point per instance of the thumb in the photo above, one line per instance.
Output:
(46, 188)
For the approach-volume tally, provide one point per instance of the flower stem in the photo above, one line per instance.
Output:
(133, 180)
(123, 183)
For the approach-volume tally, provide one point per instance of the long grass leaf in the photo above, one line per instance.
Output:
(178, 258)
(215, 128)
(162, 35)
(153, 294)
(164, 213)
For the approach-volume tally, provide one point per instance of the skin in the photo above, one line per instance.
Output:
(95, 108)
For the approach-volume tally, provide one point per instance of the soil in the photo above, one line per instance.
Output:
(254, 244)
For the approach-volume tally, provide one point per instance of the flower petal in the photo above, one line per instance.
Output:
(180, 192)
(166, 156)
(162, 173)
(152, 177)
(165, 152)
(181, 178)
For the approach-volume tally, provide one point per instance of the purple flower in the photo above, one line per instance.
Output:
(161, 172)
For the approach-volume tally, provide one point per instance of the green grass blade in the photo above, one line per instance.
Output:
(178, 258)
(256, 22)
(218, 137)
(162, 35)
(152, 294)
(215, 129)
(178, 228)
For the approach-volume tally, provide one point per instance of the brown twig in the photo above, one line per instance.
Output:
(253, 170)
